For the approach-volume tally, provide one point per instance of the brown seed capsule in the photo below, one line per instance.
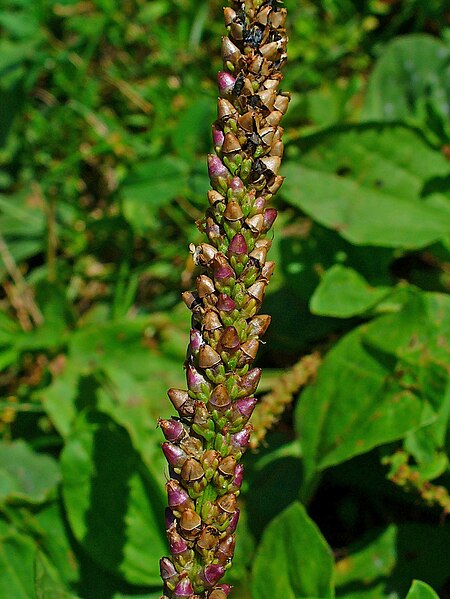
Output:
(237, 31)
(220, 399)
(229, 339)
(230, 52)
(277, 149)
(256, 65)
(258, 325)
(250, 349)
(211, 321)
(275, 185)
(205, 253)
(208, 357)
(204, 286)
(210, 460)
(201, 416)
(228, 465)
(231, 144)
(190, 520)
(233, 211)
(190, 299)
(267, 134)
(227, 503)
(192, 446)
(255, 223)
(282, 102)
(225, 109)
(191, 470)
(273, 82)
(272, 50)
(259, 254)
(267, 98)
(273, 118)
(182, 403)
(257, 290)
(208, 539)
(217, 594)
(246, 121)
(272, 163)
(263, 243)
(214, 197)
(229, 15)
(225, 550)
(267, 271)
(263, 15)
(278, 19)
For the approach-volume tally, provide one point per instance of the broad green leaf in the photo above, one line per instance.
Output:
(47, 581)
(420, 590)
(50, 525)
(343, 293)
(411, 75)
(365, 396)
(16, 566)
(293, 560)
(25, 476)
(150, 187)
(110, 366)
(384, 564)
(113, 505)
(369, 183)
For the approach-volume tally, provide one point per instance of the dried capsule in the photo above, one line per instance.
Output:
(208, 357)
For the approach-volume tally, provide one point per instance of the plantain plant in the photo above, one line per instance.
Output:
(205, 442)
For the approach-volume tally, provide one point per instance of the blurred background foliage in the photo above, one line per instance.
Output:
(105, 112)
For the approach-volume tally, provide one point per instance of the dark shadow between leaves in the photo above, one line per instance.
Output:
(272, 489)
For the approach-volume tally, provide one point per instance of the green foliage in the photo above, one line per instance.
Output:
(104, 130)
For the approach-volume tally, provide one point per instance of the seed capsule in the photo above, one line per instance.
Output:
(230, 52)
(168, 571)
(175, 456)
(181, 401)
(225, 82)
(225, 550)
(184, 589)
(208, 539)
(214, 197)
(238, 246)
(274, 118)
(190, 520)
(227, 503)
(211, 321)
(246, 121)
(282, 102)
(257, 290)
(228, 465)
(230, 339)
(275, 185)
(272, 163)
(173, 430)
(250, 349)
(191, 470)
(229, 15)
(220, 399)
(258, 325)
(231, 144)
(225, 109)
(225, 303)
(208, 357)
(233, 211)
(255, 223)
(212, 573)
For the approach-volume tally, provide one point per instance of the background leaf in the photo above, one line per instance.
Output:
(125, 535)
(293, 560)
(369, 183)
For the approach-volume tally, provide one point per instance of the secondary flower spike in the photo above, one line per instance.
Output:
(205, 443)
